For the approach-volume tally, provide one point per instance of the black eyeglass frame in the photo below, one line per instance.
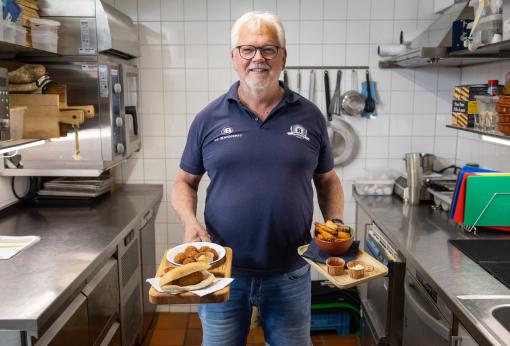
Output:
(258, 49)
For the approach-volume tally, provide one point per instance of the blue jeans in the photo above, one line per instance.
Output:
(283, 302)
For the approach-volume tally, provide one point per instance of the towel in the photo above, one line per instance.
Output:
(315, 254)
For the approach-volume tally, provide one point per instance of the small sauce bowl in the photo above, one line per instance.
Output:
(335, 265)
(357, 269)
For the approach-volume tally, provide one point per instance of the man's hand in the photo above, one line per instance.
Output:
(196, 232)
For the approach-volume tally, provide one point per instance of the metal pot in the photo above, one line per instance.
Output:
(426, 162)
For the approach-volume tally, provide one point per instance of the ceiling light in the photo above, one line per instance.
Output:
(496, 140)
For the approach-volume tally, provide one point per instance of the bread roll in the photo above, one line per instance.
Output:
(167, 281)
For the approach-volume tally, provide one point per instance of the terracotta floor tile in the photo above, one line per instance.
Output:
(173, 320)
(194, 321)
(349, 340)
(167, 337)
(193, 337)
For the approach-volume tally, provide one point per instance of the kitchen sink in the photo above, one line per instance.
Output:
(502, 314)
(492, 312)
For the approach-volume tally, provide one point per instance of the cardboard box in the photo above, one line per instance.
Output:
(464, 104)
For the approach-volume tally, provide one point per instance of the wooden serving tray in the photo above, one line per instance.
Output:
(220, 270)
(344, 280)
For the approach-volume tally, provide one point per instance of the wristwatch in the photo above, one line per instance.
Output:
(338, 221)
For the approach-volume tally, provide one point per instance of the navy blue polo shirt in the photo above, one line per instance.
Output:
(260, 199)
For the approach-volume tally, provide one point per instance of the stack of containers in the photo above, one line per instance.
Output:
(44, 34)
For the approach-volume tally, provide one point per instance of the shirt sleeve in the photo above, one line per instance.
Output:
(192, 159)
(325, 162)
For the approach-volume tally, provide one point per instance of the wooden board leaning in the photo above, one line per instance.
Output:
(345, 281)
(223, 269)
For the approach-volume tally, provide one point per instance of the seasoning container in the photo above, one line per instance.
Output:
(357, 269)
(492, 87)
(335, 265)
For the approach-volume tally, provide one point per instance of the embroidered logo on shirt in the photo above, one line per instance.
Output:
(227, 133)
(298, 131)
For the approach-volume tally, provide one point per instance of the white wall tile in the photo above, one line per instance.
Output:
(149, 32)
(175, 102)
(310, 55)
(150, 56)
(406, 9)
(153, 147)
(311, 32)
(335, 9)
(382, 9)
(132, 169)
(311, 9)
(196, 101)
(408, 26)
(176, 125)
(174, 80)
(154, 169)
(377, 147)
(152, 102)
(402, 102)
(265, 5)
(218, 56)
(240, 7)
(173, 56)
(288, 9)
(358, 31)
(335, 31)
(218, 9)
(172, 10)
(172, 32)
(153, 125)
(357, 54)
(379, 126)
(424, 102)
(426, 9)
(401, 125)
(151, 80)
(219, 80)
(422, 144)
(197, 80)
(149, 10)
(218, 32)
(399, 146)
(381, 31)
(129, 7)
(358, 9)
(195, 10)
(196, 56)
(402, 79)
(174, 147)
(445, 147)
(424, 125)
(195, 32)
(448, 78)
(333, 55)
(426, 79)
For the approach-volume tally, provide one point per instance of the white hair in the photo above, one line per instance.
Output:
(258, 18)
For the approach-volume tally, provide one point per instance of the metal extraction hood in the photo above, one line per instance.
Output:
(433, 44)
(91, 27)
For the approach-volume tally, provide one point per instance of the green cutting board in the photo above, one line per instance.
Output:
(479, 191)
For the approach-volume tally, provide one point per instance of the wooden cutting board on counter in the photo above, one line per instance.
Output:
(61, 91)
(43, 115)
(222, 270)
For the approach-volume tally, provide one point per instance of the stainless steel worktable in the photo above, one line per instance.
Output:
(36, 282)
(422, 235)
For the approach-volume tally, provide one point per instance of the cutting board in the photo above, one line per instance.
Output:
(61, 91)
(479, 191)
(43, 115)
(345, 281)
(223, 270)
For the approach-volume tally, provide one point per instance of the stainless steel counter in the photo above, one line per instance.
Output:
(422, 235)
(74, 242)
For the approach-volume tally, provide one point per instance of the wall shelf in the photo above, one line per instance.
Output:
(495, 134)
(10, 50)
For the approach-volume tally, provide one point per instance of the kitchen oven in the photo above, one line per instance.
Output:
(382, 300)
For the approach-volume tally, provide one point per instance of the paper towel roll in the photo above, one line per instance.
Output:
(385, 50)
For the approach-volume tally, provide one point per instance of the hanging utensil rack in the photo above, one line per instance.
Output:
(342, 67)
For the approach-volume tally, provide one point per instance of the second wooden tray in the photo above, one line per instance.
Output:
(222, 270)
(345, 281)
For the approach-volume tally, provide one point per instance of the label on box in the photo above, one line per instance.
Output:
(465, 107)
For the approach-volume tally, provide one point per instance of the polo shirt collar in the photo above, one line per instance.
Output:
(289, 96)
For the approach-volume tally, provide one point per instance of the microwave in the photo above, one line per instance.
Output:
(111, 85)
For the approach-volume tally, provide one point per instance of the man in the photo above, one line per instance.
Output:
(261, 145)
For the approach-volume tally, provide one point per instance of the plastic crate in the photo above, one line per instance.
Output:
(338, 321)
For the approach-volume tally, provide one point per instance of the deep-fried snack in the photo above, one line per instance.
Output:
(325, 234)
(190, 249)
(331, 225)
(188, 260)
(180, 257)
(204, 248)
(325, 228)
(191, 254)
(214, 253)
(191, 279)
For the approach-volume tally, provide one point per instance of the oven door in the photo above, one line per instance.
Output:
(131, 107)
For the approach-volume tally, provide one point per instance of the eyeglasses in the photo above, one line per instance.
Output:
(248, 52)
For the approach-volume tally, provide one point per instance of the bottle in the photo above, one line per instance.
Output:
(506, 90)
(492, 89)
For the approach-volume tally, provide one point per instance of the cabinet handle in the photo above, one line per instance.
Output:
(456, 341)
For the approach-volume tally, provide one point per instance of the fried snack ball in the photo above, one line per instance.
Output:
(188, 260)
(190, 248)
(214, 253)
(191, 279)
(191, 254)
(180, 257)
(204, 249)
